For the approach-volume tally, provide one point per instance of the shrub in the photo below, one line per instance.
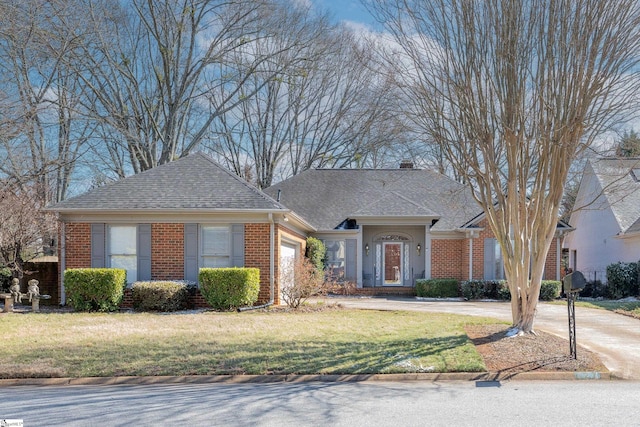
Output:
(316, 252)
(160, 296)
(504, 293)
(95, 289)
(304, 281)
(594, 289)
(481, 289)
(622, 280)
(550, 290)
(437, 288)
(229, 288)
(5, 278)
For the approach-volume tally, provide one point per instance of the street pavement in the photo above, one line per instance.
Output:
(614, 337)
(413, 403)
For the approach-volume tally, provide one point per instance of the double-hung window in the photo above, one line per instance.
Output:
(122, 249)
(215, 250)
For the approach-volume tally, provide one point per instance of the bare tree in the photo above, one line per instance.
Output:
(629, 144)
(40, 133)
(512, 91)
(329, 111)
(159, 73)
(25, 231)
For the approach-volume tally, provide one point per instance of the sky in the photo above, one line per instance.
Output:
(346, 10)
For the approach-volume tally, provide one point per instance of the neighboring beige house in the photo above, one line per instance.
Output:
(383, 228)
(606, 217)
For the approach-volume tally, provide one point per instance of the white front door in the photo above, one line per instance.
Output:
(392, 254)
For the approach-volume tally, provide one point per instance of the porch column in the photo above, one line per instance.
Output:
(427, 252)
(359, 259)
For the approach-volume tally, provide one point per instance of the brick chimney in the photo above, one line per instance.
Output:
(406, 164)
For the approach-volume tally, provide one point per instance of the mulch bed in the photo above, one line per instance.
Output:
(542, 352)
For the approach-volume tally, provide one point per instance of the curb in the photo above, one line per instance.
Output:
(271, 379)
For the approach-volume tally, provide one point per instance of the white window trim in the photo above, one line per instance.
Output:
(110, 254)
(220, 255)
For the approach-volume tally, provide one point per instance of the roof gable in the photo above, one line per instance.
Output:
(195, 182)
(621, 188)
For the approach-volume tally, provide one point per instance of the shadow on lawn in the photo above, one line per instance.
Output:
(262, 357)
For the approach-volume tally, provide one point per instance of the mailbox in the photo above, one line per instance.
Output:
(574, 282)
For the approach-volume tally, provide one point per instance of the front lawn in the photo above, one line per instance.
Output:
(333, 341)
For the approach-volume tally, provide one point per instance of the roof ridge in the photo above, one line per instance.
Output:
(250, 186)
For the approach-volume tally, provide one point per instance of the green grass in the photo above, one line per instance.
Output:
(628, 308)
(325, 342)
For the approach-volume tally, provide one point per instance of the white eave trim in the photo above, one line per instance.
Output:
(630, 235)
(160, 211)
(469, 232)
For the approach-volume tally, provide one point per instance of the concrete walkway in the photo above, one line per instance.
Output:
(614, 337)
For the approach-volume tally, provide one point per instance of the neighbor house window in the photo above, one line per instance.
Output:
(122, 249)
(215, 249)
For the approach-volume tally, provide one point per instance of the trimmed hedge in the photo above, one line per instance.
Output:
(499, 290)
(484, 289)
(229, 288)
(550, 290)
(95, 289)
(160, 296)
(437, 288)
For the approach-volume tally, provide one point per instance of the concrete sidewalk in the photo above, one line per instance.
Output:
(614, 337)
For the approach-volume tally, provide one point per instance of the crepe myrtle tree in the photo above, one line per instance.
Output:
(513, 91)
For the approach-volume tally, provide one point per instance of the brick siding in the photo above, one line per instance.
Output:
(450, 257)
(257, 255)
(446, 259)
(167, 251)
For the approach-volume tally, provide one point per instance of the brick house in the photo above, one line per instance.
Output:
(383, 228)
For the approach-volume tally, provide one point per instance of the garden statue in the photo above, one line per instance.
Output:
(33, 291)
(15, 290)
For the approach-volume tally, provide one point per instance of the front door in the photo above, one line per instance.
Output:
(392, 263)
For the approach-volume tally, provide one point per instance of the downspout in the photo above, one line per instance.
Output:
(272, 269)
(62, 263)
(471, 256)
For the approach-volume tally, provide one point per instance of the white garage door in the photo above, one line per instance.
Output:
(287, 260)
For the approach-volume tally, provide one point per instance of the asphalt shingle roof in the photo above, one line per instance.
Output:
(622, 189)
(326, 197)
(195, 182)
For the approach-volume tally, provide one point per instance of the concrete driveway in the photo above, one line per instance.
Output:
(614, 337)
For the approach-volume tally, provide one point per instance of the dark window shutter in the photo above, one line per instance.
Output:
(237, 245)
(350, 259)
(144, 251)
(98, 246)
(191, 252)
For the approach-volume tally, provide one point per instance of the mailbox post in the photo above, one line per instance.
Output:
(572, 284)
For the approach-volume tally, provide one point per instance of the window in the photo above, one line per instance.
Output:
(216, 246)
(122, 249)
(335, 258)
(498, 263)
(493, 261)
